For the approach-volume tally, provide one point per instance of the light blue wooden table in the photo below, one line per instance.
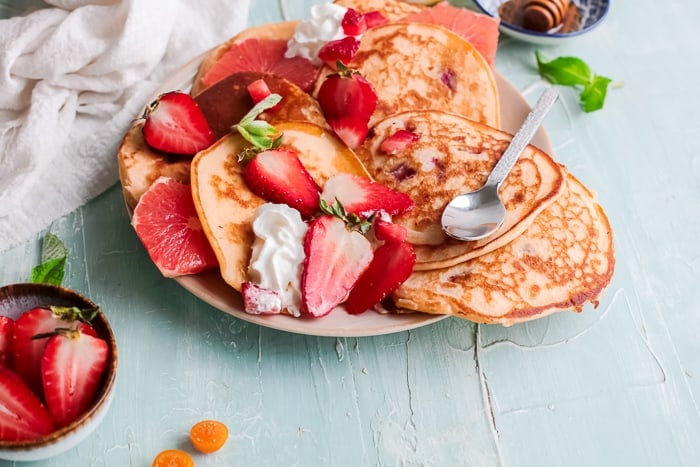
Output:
(615, 386)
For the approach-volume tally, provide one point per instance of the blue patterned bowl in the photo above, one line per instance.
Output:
(592, 14)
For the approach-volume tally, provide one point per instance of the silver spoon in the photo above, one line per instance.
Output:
(477, 214)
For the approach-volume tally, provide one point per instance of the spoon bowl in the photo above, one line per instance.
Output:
(478, 214)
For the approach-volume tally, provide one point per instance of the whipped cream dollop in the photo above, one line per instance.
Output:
(310, 35)
(278, 253)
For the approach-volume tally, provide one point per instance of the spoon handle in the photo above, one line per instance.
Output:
(523, 136)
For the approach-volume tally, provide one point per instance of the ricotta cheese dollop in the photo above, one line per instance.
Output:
(278, 253)
(310, 35)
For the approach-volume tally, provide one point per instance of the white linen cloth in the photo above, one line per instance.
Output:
(72, 78)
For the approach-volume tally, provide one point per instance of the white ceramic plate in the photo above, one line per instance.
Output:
(211, 288)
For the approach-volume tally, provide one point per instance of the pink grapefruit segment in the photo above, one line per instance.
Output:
(479, 29)
(265, 56)
(166, 222)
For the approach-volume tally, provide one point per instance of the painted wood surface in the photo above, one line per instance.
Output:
(612, 386)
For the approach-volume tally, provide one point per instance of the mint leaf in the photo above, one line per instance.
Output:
(567, 71)
(574, 72)
(593, 95)
(265, 104)
(53, 262)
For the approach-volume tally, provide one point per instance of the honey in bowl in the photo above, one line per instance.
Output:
(553, 16)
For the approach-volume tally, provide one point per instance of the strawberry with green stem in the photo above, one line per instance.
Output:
(274, 173)
(348, 101)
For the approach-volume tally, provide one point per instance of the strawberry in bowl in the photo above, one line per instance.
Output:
(59, 363)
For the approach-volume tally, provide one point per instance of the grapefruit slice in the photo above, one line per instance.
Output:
(479, 29)
(266, 56)
(166, 222)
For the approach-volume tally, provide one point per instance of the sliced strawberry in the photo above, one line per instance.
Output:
(399, 141)
(363, 197)
(387, 231)
(22, 415)
(335, 258)
(259, 300)
(278, 176)
(351, 130)
(347, 92)
(26, 351)
(391, 265)
(353, 23)
(341, 49)
(374, 18)
(7, 325)
(175, 124)
(71, 369)
(258, 90)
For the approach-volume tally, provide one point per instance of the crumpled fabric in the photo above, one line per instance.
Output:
(72, 79)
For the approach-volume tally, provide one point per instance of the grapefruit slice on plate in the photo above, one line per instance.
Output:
(266, 56)
(479, 29)
(166, 222)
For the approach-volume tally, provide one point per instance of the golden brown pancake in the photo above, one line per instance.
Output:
(393, 10)
(281, 30)
(455, 155)
(562, 261)
(140, 166)
(227, 101)
(226, 205)
(416, 66)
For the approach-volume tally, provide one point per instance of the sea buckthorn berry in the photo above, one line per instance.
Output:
(208, 435)
(173, 458)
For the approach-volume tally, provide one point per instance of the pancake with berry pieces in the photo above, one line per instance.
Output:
(227, 101)
(417, 66)
(226, 205)
(260, 49)
(452, 155)
(563, 260)
(392, 10)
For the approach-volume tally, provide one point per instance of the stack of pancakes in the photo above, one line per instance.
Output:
(554, 251)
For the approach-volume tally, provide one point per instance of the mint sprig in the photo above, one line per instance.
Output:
(53, 262)
(574, 72)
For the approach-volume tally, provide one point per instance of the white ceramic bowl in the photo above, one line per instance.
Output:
(593, 12)
(17, 298)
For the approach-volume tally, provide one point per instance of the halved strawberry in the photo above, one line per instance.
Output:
(259, 300)
(353, 22)
(335, 258)
(350, 129)
(27, 351)
(345, 93)
(339, 50)
(7, 324)
(22, 415)
(387, 231)
(278, 176)
(71, 369)
(391, 265)
(398, 141)
(374, 18)
(258, 90)
(175, 124)
(363, 197)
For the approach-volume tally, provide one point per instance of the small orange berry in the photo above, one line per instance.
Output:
(173, 458)
(208, 435)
